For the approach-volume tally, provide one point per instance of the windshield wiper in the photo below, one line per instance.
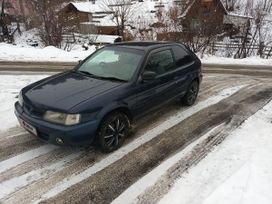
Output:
(111, 78)
(85, 72)
(101, 77)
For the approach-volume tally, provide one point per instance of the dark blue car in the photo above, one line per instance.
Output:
(98, 100)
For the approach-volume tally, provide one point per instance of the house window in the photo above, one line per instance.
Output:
(195, 24)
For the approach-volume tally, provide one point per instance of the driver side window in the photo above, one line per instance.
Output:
(160, 62)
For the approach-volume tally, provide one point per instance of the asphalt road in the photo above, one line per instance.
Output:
(50, 174)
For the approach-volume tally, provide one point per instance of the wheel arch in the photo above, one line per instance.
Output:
(123, 109)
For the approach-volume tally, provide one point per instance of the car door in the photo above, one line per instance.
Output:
(158, 91)
(185, 70)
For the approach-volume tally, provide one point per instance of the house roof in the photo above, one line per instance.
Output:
(221, 3)
(193, 2)
(239, 15)
(140, 12)
(89, 7)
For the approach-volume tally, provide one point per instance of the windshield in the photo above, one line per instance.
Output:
(113, 63)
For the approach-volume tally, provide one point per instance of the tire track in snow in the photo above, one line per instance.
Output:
(26, 156)
(20, 146)
(108, 183)
(209, 87)
(12, 132)
(157, 182)
(36, 189)
(149, 135)
(130, 195)
(16, 183)
(36, 163)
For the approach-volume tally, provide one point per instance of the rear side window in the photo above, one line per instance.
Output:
(161, 62)
(182, 57)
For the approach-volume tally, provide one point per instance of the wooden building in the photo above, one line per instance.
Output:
(211, 16)
(87, 18)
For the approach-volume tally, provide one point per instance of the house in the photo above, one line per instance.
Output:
(212, 17)
(88, 17)
(93, 17)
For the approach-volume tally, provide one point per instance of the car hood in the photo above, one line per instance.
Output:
(67, 90)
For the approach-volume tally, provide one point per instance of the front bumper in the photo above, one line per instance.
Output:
(76, 135)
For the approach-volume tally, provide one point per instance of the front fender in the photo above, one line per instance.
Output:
(111, 107)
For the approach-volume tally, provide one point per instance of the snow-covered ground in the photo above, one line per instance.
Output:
(10, 88)
(26, 53)
(211, 59)
(238, 171)
(10, 52)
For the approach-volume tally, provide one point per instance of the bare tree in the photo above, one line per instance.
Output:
(121, 10)
(254, 34)
(46, 14)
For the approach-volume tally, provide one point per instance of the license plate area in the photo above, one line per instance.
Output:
(28, 127)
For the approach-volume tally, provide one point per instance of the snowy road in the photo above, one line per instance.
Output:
(9, 67)
(32, 171)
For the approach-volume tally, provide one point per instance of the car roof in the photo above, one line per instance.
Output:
(145, 45)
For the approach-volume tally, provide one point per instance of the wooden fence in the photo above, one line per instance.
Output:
(263, 50)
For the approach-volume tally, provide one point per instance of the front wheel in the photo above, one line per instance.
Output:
(191, 94)
(113, 131)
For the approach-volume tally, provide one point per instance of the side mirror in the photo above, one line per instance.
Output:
(79, 61)
(148, 76)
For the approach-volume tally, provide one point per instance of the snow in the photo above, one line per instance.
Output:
(130, 195)
(28, 37)
(238, 171)
(149, 135)
(10, 52)
(89, 7)
(13, 53)
(26, 156)
(211, 59)
(104, 39)
(10, 88)
(16, 183)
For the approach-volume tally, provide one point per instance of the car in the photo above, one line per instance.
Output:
(97, 101)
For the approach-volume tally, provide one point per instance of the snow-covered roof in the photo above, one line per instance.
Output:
(239, 15)
(98, 38)
(104, 38)
(193, 2)
(108, 20)
(89, 7)
(102, 17)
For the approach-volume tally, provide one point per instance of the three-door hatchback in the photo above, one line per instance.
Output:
(98, 100)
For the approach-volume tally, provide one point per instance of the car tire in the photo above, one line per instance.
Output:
(191, 95)
(113, 131)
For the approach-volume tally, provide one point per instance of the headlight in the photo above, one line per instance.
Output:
(62, 118)
(20, 99)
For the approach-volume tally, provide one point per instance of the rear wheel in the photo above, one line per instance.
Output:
(113, 131)
(191, 94)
